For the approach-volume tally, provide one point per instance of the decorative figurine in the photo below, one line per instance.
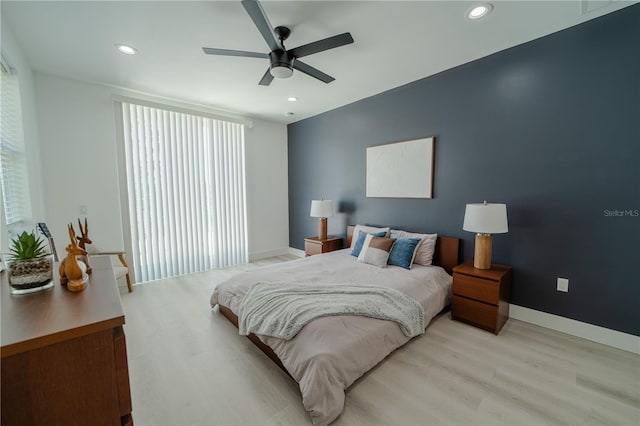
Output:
(73, 273)
(82, 241)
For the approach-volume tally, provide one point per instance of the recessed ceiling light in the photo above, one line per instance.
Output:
(292, 99)
(126, 49)
(478, 11)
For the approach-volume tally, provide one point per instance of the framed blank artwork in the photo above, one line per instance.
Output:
(400, 169)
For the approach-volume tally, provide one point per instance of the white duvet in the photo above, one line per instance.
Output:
(330, 353)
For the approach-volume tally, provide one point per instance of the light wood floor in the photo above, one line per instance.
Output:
(189, 366)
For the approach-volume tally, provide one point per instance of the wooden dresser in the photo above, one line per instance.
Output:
(64, 355)
(481, 296)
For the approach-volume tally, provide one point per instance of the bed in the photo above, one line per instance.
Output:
(331, 353)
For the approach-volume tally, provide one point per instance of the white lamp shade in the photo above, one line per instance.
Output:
(486, 218)
(321, 208)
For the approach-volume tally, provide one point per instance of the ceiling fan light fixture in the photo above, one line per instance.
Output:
(281, 64)
(281, 71)
(479, 11)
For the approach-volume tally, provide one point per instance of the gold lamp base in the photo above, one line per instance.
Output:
(322, 228)
(482, 255)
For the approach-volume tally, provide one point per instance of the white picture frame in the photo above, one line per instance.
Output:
(400, 169)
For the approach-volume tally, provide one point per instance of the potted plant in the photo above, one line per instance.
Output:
(30, 267)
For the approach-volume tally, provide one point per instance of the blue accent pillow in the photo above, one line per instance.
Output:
(403, 252)
(357, 247)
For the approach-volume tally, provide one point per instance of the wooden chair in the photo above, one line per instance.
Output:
(121, 268)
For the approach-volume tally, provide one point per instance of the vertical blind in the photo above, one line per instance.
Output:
(186, 191)
(13, 166)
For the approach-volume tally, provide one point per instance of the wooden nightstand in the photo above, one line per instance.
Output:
(481, 296)
(314, 245)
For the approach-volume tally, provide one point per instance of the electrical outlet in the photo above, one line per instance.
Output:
(563, 285)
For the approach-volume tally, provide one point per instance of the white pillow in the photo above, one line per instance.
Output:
(367, 229)
(426, 248)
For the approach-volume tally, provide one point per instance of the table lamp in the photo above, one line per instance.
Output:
(485, 219)
(322, 209)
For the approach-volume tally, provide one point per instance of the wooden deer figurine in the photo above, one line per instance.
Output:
(83, 240)
(73, 273)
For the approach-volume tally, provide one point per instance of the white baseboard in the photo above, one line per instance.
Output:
(276, 252)
(268, 253)
(616, 339)
(296, 252)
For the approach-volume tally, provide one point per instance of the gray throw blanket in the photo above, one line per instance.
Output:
(282, 309)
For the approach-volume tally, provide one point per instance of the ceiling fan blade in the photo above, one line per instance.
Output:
(321, 45)
(259, 18)
(313, 72)
(267, 78)
(227, 52)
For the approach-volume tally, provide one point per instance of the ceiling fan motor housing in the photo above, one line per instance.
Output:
(282, 32)
(281, 64)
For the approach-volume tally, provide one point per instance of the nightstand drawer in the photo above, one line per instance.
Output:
(476, 288)
(314, 245)
(312, 248)
(476, 313)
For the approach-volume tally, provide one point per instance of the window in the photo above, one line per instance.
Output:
(13, 167)
(186, 191)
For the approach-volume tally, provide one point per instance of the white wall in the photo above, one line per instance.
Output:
(267, 189)
(76, 123)
(78, 140)
(13, 54)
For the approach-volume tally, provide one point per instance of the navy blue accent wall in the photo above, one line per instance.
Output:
(550, 127)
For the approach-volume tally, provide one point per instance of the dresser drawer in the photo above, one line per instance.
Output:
(477, 313)
(476, 288)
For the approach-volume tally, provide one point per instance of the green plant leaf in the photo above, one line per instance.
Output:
(27, 246)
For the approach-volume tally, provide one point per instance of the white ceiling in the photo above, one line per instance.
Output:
(395, 43)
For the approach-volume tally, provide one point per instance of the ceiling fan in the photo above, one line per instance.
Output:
(283, 61)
